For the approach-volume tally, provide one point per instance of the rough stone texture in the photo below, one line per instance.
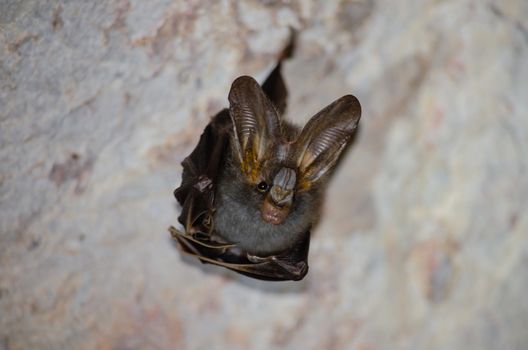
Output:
(424, 239)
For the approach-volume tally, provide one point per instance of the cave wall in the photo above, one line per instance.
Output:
(423, 243)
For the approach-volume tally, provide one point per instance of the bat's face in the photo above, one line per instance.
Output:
(275, 171)
(267, 212)
(272, 180)
(277, 159)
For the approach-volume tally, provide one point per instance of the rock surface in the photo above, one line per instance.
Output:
(424, 239)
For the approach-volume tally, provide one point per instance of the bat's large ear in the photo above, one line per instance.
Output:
(324, 137)
(255, 121)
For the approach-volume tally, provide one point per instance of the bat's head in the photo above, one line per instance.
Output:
(279, 162)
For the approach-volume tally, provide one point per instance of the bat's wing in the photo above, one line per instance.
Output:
(274, 86)
(200, 170)
(291, 265)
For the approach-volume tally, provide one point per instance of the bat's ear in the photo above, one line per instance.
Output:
(324, 137)
(255, 122)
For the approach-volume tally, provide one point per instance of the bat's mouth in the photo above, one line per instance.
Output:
(274, 214)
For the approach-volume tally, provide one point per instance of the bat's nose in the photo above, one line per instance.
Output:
(286, 178)
(284, 183)
(281, 197)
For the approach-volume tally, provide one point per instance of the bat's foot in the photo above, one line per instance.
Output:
(296, 269)
(175, 232)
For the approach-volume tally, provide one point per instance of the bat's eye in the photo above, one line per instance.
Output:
(262, 186)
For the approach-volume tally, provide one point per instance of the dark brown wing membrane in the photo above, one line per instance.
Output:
(291, 265)
(324, 137)
(200, 169)
(275, 88)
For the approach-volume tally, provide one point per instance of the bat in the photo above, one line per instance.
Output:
(252, 188)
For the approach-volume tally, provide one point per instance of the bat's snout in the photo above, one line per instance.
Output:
(281, 197)
(284, 182)
(279, 200)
